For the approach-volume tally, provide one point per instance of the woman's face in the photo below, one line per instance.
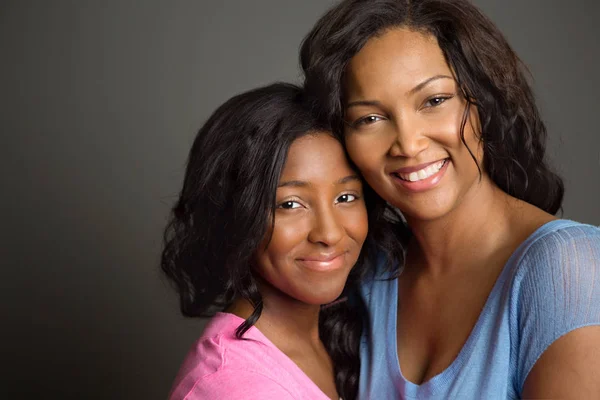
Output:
(403, 119)
(320, 223)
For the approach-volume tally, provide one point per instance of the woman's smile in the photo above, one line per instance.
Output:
(422, 177)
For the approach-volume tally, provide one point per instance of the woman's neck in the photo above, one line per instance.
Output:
(478, 225)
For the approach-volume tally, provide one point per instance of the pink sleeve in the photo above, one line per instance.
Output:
(236, 385)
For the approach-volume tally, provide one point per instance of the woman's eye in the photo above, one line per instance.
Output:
(289, 205)
(346, 198)
(436, 101)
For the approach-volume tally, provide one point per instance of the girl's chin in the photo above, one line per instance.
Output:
(323, 299)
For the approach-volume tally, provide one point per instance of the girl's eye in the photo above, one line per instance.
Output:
(368, 120)
(436, 101)
(289, 205)
(346, 198)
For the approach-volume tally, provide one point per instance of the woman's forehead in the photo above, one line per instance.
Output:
(398, 58)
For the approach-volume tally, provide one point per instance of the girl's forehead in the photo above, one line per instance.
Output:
(315, 157)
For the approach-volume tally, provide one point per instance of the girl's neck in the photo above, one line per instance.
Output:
(285, 321)
(293, 327)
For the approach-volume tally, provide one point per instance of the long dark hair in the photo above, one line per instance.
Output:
(223, 213)
(489, 74)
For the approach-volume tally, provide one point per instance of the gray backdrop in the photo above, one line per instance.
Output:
(99, 103)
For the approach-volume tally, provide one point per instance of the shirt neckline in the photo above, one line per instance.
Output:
(255, 334)
(439, 381)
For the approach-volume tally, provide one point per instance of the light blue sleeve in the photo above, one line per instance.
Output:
(560, 291)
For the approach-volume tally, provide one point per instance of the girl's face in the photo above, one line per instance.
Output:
(403, 112)
(320, 223)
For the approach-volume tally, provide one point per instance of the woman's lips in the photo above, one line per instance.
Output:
(418, 180)
(415, 168)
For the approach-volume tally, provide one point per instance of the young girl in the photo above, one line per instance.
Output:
(268, 227)
(498, 298)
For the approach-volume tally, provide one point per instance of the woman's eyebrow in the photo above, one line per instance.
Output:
(357, 103)
(427, 81)
(420, 86)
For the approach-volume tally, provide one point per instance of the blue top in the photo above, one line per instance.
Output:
(549, 286)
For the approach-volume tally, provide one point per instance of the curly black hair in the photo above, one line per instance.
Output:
(226, 207)
(489, 74)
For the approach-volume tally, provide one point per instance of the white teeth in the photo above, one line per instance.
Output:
(423, 173)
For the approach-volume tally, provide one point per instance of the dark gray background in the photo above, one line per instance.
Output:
(99, 103)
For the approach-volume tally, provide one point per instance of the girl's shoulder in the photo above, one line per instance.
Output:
(219, 364)
(222, 366)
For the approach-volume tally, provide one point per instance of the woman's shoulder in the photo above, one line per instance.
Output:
(560, 242)
(569, 228)
(559, 261)
(555, 288)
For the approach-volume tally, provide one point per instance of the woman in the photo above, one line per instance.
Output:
(498, 298)
(269, 224)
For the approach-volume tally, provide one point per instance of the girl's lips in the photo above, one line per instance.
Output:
(323, 263)
(424, 184)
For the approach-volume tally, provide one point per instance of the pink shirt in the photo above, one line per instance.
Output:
(220, 366)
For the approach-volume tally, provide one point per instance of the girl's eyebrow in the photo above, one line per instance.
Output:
(343, 180)
(348, 178)
(293, 184)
